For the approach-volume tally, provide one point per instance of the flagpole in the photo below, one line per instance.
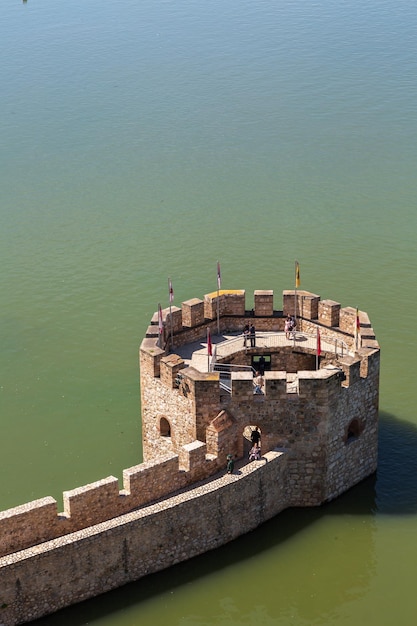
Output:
(208, 355)
(208, 349)
(160, 325)
(171, 298)
(297, 284)
(218, 312)
(357, 329)
(218, 297)
(318, 350)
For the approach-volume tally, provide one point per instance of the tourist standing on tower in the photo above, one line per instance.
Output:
(258, 383)
(246, 331)
(255, 436)
(252, 336)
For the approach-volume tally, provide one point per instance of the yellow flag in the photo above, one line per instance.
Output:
(297, 274)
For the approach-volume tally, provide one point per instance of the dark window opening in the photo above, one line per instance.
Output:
(353, 431)
(261, 362)
(164, 427)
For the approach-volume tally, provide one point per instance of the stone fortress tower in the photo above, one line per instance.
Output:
(320, 410)
(318, 418)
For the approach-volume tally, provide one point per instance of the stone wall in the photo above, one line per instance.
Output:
(323, 422)
(52, 575)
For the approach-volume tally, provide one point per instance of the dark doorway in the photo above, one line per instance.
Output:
(261, 362)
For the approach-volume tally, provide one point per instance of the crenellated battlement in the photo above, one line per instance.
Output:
(318, 418)
(196, 396)
(295, 376)
(38, 521)
(190, 322)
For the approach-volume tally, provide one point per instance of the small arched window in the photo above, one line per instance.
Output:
(164, 427)
(353, 431)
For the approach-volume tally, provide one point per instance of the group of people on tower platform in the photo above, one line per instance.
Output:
(254, 453)
(290, 326)
(249, 333)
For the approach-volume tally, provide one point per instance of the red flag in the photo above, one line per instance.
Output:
(209, 346)
(219, 277)
(160, 322)
(318, 342)
(358, 324)
(171, 291)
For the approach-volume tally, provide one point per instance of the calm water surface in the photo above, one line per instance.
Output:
(142, 140)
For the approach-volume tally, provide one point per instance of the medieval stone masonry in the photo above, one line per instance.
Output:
(317, 414)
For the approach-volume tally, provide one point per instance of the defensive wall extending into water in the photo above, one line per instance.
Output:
(318, 418)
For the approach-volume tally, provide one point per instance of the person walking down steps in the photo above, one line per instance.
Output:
(258, 383)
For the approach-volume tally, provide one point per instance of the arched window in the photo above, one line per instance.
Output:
(164, 427)
(353, 431)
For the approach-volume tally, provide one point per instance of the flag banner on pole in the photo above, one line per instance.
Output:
(219, 277)
(160, 322)
(318, 342)
(209, 346)
(171, 291)
(297, 274)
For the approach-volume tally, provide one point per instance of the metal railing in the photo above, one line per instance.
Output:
(307, 341)
(225, 370)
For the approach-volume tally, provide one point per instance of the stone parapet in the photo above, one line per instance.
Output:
(242, 386)
(150, 355)
(192, 312)
(276, 384)
(29, 524)
(147, 482)
(264, 303)
(329, 313)
(139, 543)
(91, 503)
(352, 370)
(170, 366)
(227, 301)
(192, 456)
(300, 303)
(347, 320)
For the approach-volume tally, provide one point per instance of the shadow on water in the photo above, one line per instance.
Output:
(396, 479)
(393, 490)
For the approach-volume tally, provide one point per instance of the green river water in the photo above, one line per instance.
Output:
(141, 140)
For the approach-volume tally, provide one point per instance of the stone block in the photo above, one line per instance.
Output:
(264, 303)
(310, 306)
(92, 501)
(300, 302)
(192, 312)
(328, 313)
(347, 321)
(175, 317)
(275, 384)
(192, 455)
(242, 384)
(150, 355)
(170, 366)
(27, 524)
(230, 302)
